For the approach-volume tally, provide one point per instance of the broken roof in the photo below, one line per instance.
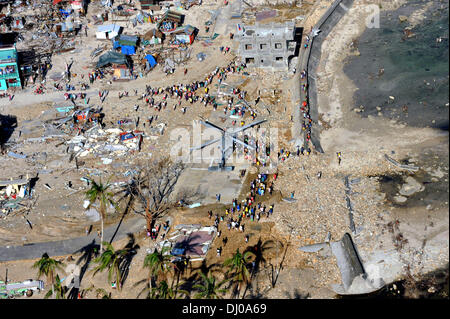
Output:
(21, 181)
(173, 16)
(154, 32)
(124, 39)
(187, 29)
(195, 243)
(112, 57)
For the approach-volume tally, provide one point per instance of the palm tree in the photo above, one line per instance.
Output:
(208, 289)
(110, 259)
(47, 266)
(99, 292)
(58, 288)
(157, 264)
(163, 291)
(238, 266)
(99, 193)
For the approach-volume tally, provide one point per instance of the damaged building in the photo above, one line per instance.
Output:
(9, 69)
(267, 45)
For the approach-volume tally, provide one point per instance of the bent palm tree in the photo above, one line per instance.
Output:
(110, 259)
(99, 193)
(48, 266)
(208, 289)
(238, 266)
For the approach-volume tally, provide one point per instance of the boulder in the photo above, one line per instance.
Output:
(411, 186)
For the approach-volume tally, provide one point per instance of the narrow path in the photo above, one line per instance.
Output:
(70, 246)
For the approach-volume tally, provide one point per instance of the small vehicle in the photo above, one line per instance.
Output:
(18, 289)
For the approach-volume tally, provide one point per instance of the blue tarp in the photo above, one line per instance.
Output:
(128, 49)
(178, 251)
(116, 45)
(151, 60)
(64, 13)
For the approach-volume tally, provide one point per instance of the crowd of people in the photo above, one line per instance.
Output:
(199, 91)
(249, 209)
(304, 108)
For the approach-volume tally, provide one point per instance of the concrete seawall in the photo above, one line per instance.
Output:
(311, 60)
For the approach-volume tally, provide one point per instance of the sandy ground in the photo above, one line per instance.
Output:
(53, 216)
(363, 143)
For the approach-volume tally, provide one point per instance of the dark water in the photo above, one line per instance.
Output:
(433, 285)
(409, 64)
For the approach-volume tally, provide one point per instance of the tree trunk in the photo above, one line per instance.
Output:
(101, 238)
(150, 285)
(102, 213)
(148, 216)
(52, 281)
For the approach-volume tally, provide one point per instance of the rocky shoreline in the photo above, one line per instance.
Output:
(387, 252)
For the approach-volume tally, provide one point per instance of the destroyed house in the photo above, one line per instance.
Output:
(121, 72)
(109, 31)
(184, 34)
(191, 241)
(150, 4)
(127, 43)
(11, 189)
(13, 193)
(112, 57)
(9, 69)
(152, 37)
(269, 45)
(170, 21)
(67, 26)
(79, 4)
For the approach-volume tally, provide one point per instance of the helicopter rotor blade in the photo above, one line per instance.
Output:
(206, 144)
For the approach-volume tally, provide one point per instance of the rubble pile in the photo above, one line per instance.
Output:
(108, 142)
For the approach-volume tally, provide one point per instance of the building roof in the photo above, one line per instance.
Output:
(124, 39)
(8, 53)
(187, 29)
(109, 28)
(111, 57)
(172, 16)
